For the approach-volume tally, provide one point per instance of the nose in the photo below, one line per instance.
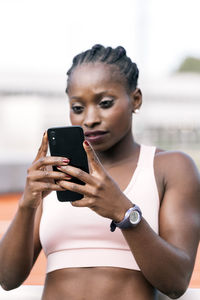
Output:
(92, 117)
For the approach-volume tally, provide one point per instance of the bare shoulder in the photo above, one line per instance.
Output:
(173, 156)
(171, 164)
(177, 170)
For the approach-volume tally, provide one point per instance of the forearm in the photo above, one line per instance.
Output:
(166, 267)
(17, 249)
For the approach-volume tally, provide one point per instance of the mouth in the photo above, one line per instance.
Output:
(95, 136)
(94, 133)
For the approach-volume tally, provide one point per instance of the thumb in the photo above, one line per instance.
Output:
(93, 160)
(42, 151)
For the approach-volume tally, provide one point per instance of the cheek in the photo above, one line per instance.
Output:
(75, 119)
(122, 115)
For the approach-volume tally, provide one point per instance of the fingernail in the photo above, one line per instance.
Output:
(86, 143)
(66, 160)
(67, 177)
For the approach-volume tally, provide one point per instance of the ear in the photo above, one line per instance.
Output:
(136, 97)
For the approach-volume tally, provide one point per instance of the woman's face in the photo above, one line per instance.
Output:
(100, 104)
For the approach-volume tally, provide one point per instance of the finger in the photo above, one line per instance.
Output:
(49, 161)
(93, 160)
(84, 202)
(78, 173)
(78, 188)
(42, 151)
(40, 175)
(43, 186)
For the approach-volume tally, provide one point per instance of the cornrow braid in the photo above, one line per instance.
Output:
(108, 55)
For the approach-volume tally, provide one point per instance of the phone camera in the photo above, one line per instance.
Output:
(52, 133)
(53, 137)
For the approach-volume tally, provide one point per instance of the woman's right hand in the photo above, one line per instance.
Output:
(41, 179)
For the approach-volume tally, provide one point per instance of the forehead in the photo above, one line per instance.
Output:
(95, 76)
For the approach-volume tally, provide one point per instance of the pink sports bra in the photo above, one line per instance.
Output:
(78, 237)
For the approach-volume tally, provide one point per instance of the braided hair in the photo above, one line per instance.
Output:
(109, 55)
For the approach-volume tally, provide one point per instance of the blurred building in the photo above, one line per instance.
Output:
(170, 115)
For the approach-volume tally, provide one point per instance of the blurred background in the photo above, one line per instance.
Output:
(38, 40)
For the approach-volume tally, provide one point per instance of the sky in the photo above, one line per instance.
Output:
(44, 35)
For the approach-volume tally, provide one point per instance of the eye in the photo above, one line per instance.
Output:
(77, 109)
(107, 103)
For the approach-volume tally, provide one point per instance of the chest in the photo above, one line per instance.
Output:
(122, 174)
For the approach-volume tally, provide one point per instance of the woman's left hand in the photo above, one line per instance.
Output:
(101, 193)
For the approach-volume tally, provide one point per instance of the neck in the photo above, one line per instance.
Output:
(120, 152)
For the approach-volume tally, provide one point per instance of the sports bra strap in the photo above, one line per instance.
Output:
(146, 157)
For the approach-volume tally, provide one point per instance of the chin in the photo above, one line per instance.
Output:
(101, 147)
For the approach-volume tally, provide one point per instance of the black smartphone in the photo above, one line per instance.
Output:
(68, 142)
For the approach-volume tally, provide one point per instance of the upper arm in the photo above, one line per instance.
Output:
(180, 207)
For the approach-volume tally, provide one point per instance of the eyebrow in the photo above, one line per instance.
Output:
(97, 95)
(75, 98)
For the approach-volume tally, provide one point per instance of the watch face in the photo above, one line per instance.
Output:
(134, 217)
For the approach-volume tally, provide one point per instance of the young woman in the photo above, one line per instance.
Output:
(137, 227)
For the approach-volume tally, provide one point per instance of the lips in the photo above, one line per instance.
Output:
(94, 133)
(95, 136)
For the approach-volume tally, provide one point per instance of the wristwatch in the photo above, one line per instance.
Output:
(132, 218)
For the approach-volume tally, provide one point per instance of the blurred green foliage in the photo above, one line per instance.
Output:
(190, 64)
